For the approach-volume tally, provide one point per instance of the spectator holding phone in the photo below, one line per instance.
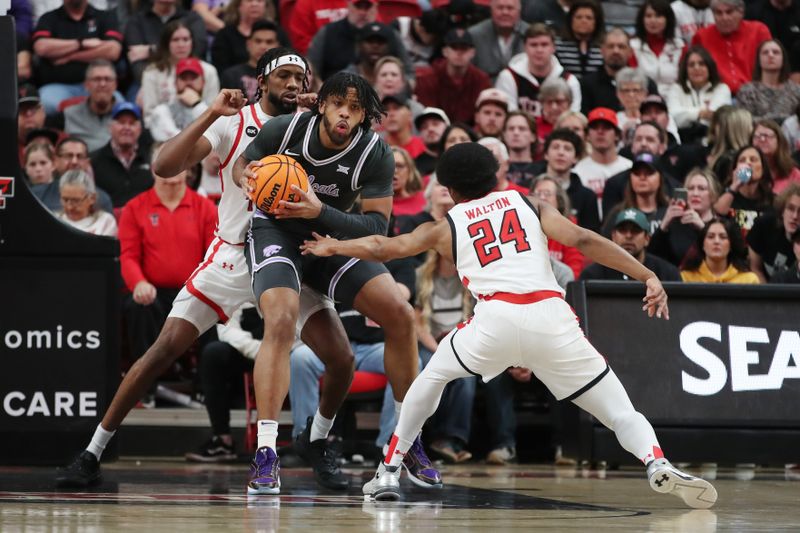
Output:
(689, 210)
(719, 256)
(748, 188)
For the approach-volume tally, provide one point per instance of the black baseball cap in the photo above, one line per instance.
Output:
(458, 36)
(399, 99)
(28, 94)
(375, 29)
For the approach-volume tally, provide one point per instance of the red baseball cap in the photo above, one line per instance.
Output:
(605, 114)
(189, 64)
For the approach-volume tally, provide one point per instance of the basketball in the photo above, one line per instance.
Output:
(274, 180)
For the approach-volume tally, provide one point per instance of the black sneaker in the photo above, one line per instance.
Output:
(83, 471)
(320, 458)
(213, 451)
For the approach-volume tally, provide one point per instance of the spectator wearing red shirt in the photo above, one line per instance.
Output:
(453, 83)
(501, 154)
(550, 190)
(409, 198)
(732, 42)
(398, 125)
(164, 233)
(308, 16)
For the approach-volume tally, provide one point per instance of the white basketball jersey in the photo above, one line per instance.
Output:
(499, 246)
(229, 136)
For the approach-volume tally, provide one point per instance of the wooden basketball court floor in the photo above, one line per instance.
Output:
(151, 496)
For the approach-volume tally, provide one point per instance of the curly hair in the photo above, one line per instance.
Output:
(341, 82)
(469, 169)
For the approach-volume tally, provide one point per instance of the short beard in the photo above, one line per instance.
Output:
(281, 107)
(334, 135)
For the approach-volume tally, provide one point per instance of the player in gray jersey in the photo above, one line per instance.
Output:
(345, 159)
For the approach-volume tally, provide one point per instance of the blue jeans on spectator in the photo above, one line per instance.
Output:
(500, 414)
(306, 370)
(52, 94)
(453, 417)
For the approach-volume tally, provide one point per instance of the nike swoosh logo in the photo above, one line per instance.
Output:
(287, 152)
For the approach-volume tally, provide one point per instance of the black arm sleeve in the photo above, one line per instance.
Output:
(352, 225)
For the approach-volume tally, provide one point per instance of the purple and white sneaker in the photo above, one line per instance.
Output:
(420, 470)
(265, 472)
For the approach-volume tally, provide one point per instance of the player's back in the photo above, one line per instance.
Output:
(229, 137)
(499, 245)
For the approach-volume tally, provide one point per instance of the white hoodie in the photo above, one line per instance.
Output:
(519, 64)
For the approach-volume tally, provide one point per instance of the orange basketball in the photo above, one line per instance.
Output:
(274, 180)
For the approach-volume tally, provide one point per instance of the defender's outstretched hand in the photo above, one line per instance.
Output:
(309, 205)
(320, 246)
(655, 301)
(228, 102)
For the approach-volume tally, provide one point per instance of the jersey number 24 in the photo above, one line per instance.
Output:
(485, 244)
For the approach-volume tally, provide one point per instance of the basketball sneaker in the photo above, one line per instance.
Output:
(385, 485)
(83, 471)
(265, 472)
(694, 491)
(213, 451)
(321, 458)
(420, 470)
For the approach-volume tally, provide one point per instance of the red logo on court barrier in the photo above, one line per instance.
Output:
(6, 190)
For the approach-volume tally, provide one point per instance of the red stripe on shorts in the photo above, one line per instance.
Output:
(194, 291)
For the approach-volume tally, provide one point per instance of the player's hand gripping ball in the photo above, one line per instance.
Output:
(273, 182)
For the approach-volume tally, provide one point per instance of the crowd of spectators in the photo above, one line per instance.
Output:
(675, 131)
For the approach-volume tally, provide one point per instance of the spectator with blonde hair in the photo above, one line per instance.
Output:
(406, 184)
(731, 129)
(78, 197)
(549, 190)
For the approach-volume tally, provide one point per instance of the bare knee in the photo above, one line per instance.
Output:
(279, 326)
(175, 338)
(396, 318)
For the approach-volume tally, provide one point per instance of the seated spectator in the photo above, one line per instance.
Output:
(577, 123)
(562, 149)
(398, 126)
(71, 154)
(211, 11)
(244, 76)
(310, 16)
(438, 203)
(631, 92)
(442, 303)
(556, 98)
(768, 137)
(78, 197)
(748, 189)
(168, 120)
(731, 130)
(367, 343)
(526, 72)
(39, 163)
(578, 49)
(504, 26)
(158, 79)
(500, 152)
(221, 370)
(645, 192)
(457, 133)
(770, 239)
(631, 231)
(792, 274)
(144, 29)
(230, 43)
(690, 16)
(719, 256)
(422, 36)
(122, 166)
(519, 136)
(406, 184)
(371, 45)
(598, 88)
(654, 109)
(682, 221)
(431, 125)
(453, 83)
(549, 190)
(771, 94)
(603, 161)
(491, 110)
(334, 45)
(167, 225)
(66, 40)
(30, 115)
(731, 32)
(697, 94)
(390, 80)
(656, 47)
(91, 118)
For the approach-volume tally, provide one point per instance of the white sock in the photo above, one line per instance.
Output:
(99, 441)
(267, 433)
(397, 407)
(320, 427)
(397, 451)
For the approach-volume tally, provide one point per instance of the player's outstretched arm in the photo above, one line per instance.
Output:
(431, 235)
(189, 147)
(603, 251)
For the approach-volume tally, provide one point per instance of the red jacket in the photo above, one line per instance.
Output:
(455, 97)
(734, 54)
(308, 16)
(161, 246)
